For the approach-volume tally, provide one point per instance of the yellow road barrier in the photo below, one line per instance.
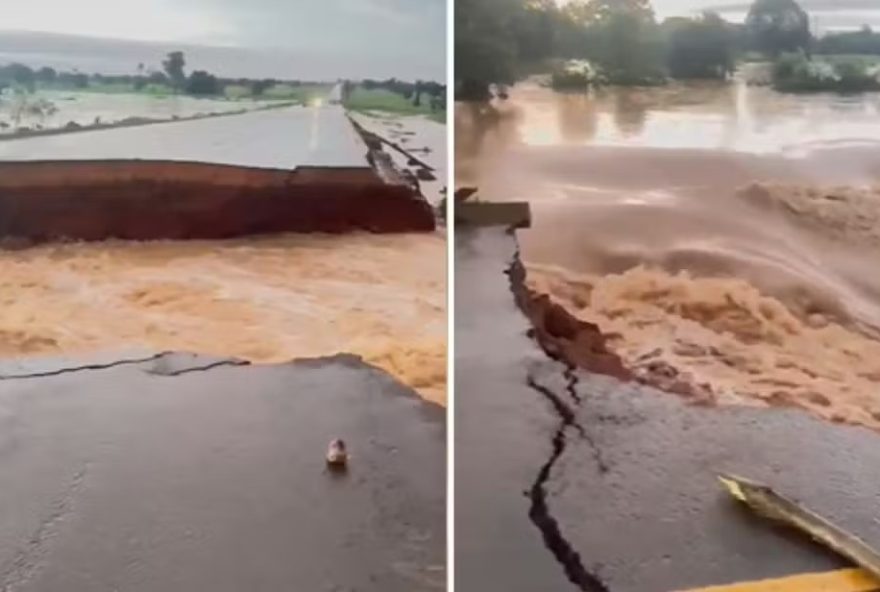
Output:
(842, 580)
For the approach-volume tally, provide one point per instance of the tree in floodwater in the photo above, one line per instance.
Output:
(47, 74)
(777, 26)
(587, 12)
(202, 83)
(537, 30)
(699, 48)
(173, 65)
(626, 42)
(485, 46)
(18, 75)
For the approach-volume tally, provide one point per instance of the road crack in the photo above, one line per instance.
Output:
(125, 362)
(204, 368)
(84, 367)
(30, 558)
(539, 511)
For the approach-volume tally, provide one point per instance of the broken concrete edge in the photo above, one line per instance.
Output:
(374, 141)
(134, 121)
(581, 344)
(385, 167)
(146, 200)
(26, 173)
(181, 363)
(540, 512)
(566, 402)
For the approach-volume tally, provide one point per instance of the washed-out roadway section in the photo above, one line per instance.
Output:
(569, 480)
(172, 472)
(294, 169)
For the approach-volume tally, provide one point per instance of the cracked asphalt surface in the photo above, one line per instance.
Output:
(165, 472)
(569, 480)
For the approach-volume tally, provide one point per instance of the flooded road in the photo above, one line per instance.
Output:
(722, 233)
(49, 109)
(261, 299)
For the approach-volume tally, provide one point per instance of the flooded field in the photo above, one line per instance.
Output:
(56, 109)
(723, 233)
(261, 299)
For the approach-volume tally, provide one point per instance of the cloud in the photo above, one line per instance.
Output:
(383, 9)
(374, 33)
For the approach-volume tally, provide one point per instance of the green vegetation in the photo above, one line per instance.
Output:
(418, 98)
(236, 91)
(498, 41)
(302, 93)
(794, 72)
(864, 42)
(626, 42)
(700, 48)
(173, 80)
(776, 26)
(201, 83)
(501, 41)
(369, 100)
(173, 66)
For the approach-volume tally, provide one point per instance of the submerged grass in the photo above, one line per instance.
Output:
(379, 100)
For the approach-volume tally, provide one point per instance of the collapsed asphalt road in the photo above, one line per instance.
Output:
(176, 472)
(568, 480)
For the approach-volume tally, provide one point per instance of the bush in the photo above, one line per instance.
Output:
(794, 72)
(574, 75)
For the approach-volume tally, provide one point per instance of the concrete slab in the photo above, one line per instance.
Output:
(626, 488)
(191, 473)
(274, 139)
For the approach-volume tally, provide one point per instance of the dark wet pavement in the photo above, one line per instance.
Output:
(503, 428)
(191, 473)
(630, 487)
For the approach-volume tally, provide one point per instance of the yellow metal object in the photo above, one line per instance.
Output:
(842, 580)
(733, 487)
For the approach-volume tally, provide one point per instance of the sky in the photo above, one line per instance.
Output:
(372, 36)
(827, 14)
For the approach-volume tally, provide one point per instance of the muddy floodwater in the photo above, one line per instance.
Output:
(48, 109)
(725, 233)
(261, 299)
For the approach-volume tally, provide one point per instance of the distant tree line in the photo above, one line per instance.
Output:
(198, 82)
(174, 76)
(863, 42)
(499, 41)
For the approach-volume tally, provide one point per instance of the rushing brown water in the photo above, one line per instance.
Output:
(261, 299)
(727, 232)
